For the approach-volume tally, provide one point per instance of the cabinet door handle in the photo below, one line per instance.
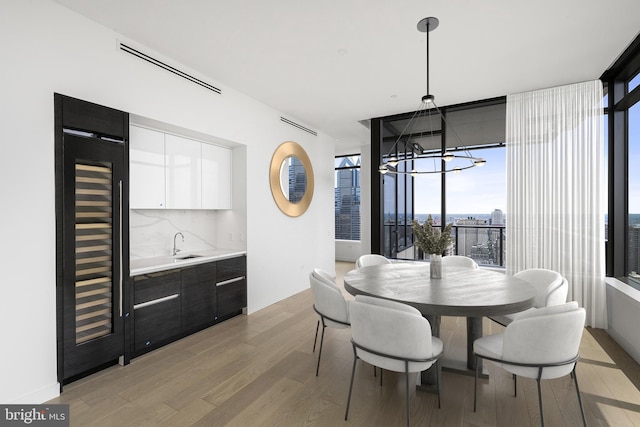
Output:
(120, 240)
(155, 301)
(226, 282)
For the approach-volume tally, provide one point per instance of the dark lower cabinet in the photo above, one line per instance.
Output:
(173, 304)
(232, 298)
(156, 310)
(231, 286)
(156, 325)
(199, 306)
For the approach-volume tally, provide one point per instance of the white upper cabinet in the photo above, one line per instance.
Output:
(183, 173)
(146, 158)
(216, 177)
(172, 172)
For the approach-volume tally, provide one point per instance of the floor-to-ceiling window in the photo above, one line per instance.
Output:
(623, 131)
(347, 197)
(474, 200)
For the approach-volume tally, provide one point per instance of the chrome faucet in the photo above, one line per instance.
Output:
(176, 250)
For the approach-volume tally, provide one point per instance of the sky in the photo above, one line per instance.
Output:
(478, 190)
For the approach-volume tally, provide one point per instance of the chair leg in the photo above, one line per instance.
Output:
(320, 350)
(438, 380)
(315, 340)
(380, 377)
(540, 396)
(406, 377)
(353, 373)
(515, 385)
(475, 385)
(575, 380)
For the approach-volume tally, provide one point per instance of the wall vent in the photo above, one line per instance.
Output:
(294, 124)
(167, 67)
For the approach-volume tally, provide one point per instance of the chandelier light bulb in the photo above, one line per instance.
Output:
(479, 162)
(447, 156)
(414, 173)
(383, 169)
(393, 161)
(456, 170)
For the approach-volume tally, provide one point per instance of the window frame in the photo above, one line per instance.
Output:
(616, 80)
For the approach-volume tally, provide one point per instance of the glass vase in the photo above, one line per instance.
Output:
(435, 266)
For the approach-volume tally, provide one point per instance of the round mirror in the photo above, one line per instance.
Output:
(291, 178)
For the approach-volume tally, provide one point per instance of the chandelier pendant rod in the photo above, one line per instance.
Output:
(428, 92)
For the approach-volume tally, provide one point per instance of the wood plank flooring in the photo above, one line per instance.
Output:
(259, 370)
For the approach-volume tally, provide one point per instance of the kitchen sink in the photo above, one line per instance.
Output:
(185, 256)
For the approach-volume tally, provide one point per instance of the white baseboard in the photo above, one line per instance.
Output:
(40, 396)
(626, 345)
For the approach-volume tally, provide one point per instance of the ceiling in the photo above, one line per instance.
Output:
(332, 64)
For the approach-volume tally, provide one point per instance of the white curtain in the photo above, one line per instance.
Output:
(555, 189)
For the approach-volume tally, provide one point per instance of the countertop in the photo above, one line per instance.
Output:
(152, 265)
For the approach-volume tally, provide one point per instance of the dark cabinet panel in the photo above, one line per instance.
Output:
(199, 308)
(232, 297)
(156, 310)
(87, 116)
(231, 286)
(156, 285)
(156, 324)
(231, 268)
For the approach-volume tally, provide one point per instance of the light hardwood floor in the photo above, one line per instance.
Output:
(259, 370)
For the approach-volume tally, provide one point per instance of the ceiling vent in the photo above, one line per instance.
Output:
(167, 67)
(294, 124)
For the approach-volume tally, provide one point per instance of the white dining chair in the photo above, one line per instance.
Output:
(541, 344)
(458, 261)
(551, 289)
(330, 305)
(371, 259)
(392, 336)
(326, 277)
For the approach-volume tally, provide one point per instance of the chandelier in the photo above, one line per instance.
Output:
(414, 150)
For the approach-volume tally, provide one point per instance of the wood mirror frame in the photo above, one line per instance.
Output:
(284, 150)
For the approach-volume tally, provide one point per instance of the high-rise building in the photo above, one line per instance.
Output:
(347, 201)
(472, 240)
(497, 217)
(497, 237)
(297, 180)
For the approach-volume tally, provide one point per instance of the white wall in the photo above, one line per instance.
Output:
(49, 49)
